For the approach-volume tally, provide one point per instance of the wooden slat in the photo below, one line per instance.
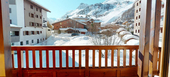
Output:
(67, 59)
(93, 58)
(33, 56)
(54, 60)
(136, 57)
(27, 59)
(19, 62)
(100, 58)
(159, 60)
(13, 60)
(73, 51)
(47, 59)
(60, 54)
(124, 58)
(118, 58)
(112, 58)
(106, 58)
(87, 58)
(79, 59)
(40, 57)
(130, 58)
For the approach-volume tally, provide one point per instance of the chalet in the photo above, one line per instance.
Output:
(68, 23)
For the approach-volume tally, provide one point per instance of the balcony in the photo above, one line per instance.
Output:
(61, 61)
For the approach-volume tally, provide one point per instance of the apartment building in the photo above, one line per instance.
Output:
(137, 17)
(28, 22)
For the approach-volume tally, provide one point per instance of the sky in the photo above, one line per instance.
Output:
(59, 8)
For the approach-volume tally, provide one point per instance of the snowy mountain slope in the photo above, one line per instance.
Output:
(51, 20)
(107, 12)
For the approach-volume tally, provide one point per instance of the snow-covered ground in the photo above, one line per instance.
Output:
(67, 39)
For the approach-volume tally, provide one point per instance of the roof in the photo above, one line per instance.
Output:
(38, 5)
(68, 19)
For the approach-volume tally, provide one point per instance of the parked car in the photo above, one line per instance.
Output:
(74, 34)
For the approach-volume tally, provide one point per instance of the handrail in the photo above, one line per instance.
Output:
(67, 58)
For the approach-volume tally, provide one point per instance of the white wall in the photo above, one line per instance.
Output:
(13, 14)
(20, 12)
(44, 16)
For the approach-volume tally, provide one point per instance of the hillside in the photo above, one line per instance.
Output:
(107, 12)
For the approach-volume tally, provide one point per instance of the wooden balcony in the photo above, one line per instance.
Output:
(75, 61)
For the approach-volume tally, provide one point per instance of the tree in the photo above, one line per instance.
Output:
(49, 25)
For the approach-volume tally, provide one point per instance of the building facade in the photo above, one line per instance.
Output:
(67, 23)
(30, 19)
(137, 17)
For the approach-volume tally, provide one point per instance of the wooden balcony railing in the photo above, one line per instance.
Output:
(75, 61)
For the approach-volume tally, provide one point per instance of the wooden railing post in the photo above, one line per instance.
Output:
(40, 57)
(100, 54)
(79, 59)
(87, 63)
(19, 63)
(54, 60)
(33, 54)
(106, 51)
(112, 58)
(73, 58)
(118, 58)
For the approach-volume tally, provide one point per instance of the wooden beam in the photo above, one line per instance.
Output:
(154, 36)
(5, 48)
(166, 43)
(144, 38)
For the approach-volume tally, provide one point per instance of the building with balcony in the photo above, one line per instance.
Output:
(28, 22)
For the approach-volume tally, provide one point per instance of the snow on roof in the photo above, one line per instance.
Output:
(120, 29)
(12, 25)
(79, 29)
(133, 42)
(125, 32)
(68, 19)
(127, 37)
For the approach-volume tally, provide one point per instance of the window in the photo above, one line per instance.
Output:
(31, 23)
(139, 24)
(37, 16)
(137, 4)
(31, 6)
(36, 9)
(40, 10)
(10, 21)
(26, 32)
(135, 31)
(138, 31)
(21, 43)
(37, 40)
(139, 16)
(32, 32)
(27, 42)
(136, 18)
(136, 24)
(12, 43)
(139, 9)
(40, 17)
(136, 11)
(10, 10)
(139, 1)
(38, 32)
(38, 24)
(32, 15)
(32, 41)
(14, 33)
